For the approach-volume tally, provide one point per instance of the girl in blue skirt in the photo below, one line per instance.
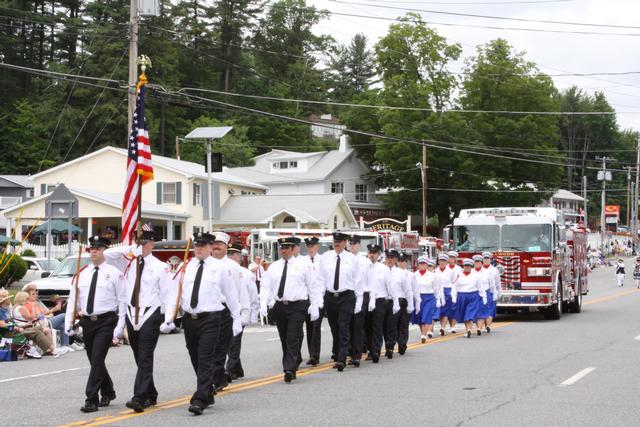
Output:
(468, 296)
(430, 295)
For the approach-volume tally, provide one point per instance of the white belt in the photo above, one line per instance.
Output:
(142, 317)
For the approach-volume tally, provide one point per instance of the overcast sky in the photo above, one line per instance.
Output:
(553, 52)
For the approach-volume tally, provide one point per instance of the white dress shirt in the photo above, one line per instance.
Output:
(445, 278)
(484, 279)
(249, 284)
(155, 281)
(495, 283)
(216, 287)
(107, 297)
(455, 271)
(233, 270)
(258, 272)
(300, 284)
(350, 274)
(469, 283)
(379, 281)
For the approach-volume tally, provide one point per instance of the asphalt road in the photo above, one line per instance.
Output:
(581, 370)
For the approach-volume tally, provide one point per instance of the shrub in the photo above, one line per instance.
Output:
(28, 252)
(16, 269)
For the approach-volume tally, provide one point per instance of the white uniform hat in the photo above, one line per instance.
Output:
(221, 236)
(453, 254)
(477, 258)
(423, 260)
(468, 261)
(443, 257)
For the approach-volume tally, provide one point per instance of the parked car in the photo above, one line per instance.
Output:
(38, 268)
(58, 284)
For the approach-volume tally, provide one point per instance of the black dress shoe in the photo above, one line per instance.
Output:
(288, 376)
(479, 332)
(89, 407)
(210, 398)
(150, 401)
(239, 374)
(389, 354)
(468, 334)
(196, 409)
(314, 361)
(106, 400)
(136, 405)
(334, 357)
(402, 350)
(356, 363)
(294, 375)
(488, 329)
(375, 359)
(228, 378)
(340, 366)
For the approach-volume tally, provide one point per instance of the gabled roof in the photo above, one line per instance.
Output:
(567, 195)
(260, 209)
(189, 169)
(318, 171)
(20, 180)
(109, 199)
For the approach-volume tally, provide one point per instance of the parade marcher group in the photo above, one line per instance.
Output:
(369, 303)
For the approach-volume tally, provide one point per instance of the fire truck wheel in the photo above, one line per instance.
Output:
(554, 312)
(576, 304)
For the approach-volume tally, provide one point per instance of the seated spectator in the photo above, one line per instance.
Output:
(9, 330)
(55, 321)
(31, 327)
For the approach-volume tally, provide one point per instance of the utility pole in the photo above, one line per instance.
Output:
(634, 227)
(586, 201)
(133, 57)
(604, 175)
(628, 169)
(423, 167)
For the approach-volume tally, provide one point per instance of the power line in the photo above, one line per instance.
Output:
(480, 3)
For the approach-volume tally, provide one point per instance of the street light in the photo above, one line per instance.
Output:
(208, 134)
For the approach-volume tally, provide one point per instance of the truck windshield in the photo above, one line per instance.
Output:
(529, 237)
(475, 237)
(67, 268)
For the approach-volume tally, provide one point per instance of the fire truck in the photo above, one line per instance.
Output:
(543, 263)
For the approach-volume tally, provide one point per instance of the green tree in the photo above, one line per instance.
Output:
(352, 68)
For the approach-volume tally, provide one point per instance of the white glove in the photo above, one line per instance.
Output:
(438, 303)
(263, 311)
(167, 327)
(417, 307)
(396, 307)
(237, 327)
(71, 332)
(495, 297)
(453, 300)
(245, 317)
(372, 304)
(118, 332)
(314, 313)
(410, 309)
(358, 309)
(484, 300)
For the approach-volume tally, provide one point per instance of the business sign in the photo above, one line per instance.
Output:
(387, 224)
(612, 210)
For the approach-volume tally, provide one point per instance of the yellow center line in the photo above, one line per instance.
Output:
(261, 382)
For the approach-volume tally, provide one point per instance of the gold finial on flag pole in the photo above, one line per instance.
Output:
(143, 61)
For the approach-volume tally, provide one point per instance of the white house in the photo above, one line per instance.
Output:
(324, 172)
(326, 126)
(14, 189)
(569, 203)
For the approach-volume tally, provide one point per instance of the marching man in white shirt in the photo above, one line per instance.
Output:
(98, 304)
(380, 285)
(468, 294)
(290, 282)
(392, 303)
(314, 328)
(339, 273)
(142, 295)
(494, 290)
(430, 292)
(358, 335)
(234, 368)
(205, 288)
(406, 301)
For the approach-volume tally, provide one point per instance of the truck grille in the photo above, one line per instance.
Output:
(511, 277)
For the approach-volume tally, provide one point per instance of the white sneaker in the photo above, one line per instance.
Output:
(423, 339)
(60, 351)
(429, 335)
(76, 346)
(33, 353)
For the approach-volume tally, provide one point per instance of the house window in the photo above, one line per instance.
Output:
(289, 220)
(284, 165)
(361, 192)
(197, 195)
(169, 192)
(293, 164)
(275, 165)
(197, 230)
(29, 193)
(335, 222)
(337, 187)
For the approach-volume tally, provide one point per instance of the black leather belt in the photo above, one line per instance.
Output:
(203, 315)
(95, 317)
(292, 302)
(339, 294)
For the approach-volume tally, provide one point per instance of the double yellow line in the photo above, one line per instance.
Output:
(261, 382)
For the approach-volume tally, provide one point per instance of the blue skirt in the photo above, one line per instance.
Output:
(427, 310)
(487, 310)
(449, 309)
(468, 306)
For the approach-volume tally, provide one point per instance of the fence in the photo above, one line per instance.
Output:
(57, 251)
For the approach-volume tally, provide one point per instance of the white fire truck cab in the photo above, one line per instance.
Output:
(543, 264)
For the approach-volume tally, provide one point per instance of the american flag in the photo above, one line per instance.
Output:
(138, 164)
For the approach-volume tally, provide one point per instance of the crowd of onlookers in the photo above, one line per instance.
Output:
(30, 329)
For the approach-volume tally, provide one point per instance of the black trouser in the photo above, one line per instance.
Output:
(377, 326)
(403, 324)
(221, 350)
(357, 329)
(314, 335)
(289, 320)
(202, 336)
(368, 328)
(234, 364)
(98, 335)
(339, 311)
(390, 326)
(143, 343)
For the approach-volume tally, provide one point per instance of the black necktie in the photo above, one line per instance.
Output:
(312, 261)
(283, 280)
(135, 297)
(196, 285)
(92, 291)
(336, 278)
